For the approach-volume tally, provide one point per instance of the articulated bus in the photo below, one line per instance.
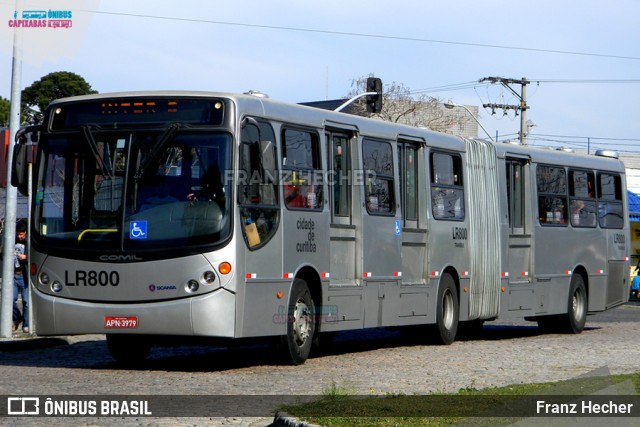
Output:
(188, 214)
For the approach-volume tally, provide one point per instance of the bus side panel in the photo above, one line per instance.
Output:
(553, 266)
(618, 268)
(264, 313)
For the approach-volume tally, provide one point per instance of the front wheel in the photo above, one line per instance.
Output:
(447, 312)
(301, 325)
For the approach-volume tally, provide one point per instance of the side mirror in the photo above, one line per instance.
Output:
(23, 155)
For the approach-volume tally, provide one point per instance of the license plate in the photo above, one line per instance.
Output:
(120, 322)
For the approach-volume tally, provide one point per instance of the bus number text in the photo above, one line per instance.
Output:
(92, 278)
(459, 233)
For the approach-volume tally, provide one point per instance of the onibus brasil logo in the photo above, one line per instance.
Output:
(42, 19)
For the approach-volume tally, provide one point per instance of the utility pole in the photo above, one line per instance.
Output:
(522, 96)
(8, 239)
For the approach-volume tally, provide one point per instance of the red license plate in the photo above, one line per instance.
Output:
(121, 322)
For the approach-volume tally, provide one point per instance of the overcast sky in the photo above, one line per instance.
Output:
(581, 56)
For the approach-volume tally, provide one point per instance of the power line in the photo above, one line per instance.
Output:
(581, 81)
(367, 35)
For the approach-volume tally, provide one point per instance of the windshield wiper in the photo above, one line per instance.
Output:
(166, 136)
(106, 173)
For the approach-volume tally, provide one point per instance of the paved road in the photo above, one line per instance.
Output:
(362, 362)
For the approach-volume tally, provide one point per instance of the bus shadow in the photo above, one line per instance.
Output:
(245, 354)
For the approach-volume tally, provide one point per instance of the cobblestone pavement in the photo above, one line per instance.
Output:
(362, 362)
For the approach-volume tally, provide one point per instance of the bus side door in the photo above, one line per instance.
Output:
(520, 238)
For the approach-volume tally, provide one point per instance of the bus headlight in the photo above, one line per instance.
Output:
(192, 286)
(44, 279)
(209, 277)
(56, 286)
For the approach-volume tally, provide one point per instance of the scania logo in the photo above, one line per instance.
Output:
(154, 288)
(120, 258)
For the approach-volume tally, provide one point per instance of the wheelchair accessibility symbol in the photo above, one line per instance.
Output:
(138, 230)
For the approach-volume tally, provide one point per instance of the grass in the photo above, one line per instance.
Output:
(341, 407)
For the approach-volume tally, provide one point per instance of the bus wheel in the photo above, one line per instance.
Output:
(128, 350)
(447, 311)
(576, 315)
(301, 325)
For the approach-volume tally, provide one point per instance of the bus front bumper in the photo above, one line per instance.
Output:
(211, 315)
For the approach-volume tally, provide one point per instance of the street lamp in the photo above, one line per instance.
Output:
(451, 105)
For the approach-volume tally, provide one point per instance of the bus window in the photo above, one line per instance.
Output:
(515, 194)
(447, 191)
(552, 195)
(582, 198)
(379, 185)
(301, 160)
(257, 189)
(610, 208)
(340, 168)
(408, 160)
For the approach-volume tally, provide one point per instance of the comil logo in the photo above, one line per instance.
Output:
(23, 406)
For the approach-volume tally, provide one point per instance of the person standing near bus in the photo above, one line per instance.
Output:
(21, 280)
(635, 287)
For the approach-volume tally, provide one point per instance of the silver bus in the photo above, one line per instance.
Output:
(189, 214)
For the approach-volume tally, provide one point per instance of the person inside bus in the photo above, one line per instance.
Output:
(577, 207)
(211, 188)
(581, 215)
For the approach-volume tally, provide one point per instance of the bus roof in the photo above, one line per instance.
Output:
(263, 106)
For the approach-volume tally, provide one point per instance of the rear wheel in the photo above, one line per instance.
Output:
(576, 317)
(128, 350)
(447, 313)
(301, 325)
(573, 321)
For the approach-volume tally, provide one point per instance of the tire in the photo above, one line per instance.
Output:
(301, 326)
(447, 312)
(128, 350)
(573, 322)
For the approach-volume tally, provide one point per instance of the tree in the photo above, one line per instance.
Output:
(400, 106)
(39, 95)
(5, 106)
(4, 112)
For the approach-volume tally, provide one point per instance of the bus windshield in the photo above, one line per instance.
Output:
(133, 190)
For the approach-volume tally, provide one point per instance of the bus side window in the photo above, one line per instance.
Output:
(301, 160)
(582, 198)
(552, 195)
(610, 208)
(257, 184)
(379, 185)
(447, 190)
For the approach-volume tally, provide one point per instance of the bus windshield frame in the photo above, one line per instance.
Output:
(145, 189)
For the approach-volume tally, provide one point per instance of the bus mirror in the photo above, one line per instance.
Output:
(249, 121)
(23, 155)
(19, 172)
(28, 134)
